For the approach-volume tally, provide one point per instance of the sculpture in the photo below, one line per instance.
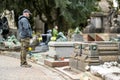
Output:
(61, 37)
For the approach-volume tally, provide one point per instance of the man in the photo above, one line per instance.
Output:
(25, 33)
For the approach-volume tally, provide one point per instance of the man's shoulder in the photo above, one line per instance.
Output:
(22, 18)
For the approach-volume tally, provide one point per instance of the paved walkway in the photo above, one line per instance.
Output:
(10, 70)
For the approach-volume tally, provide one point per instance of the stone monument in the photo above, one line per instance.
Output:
(90, 28)
(11, 21)
(61, 37)
(39, 25)
(77, 36)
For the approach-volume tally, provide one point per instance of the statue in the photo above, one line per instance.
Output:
(77, 36)
(77, 31)
(47, 37)
(90, 28)
(69, 34)
(43, 46)
(10, 17)
(61, 37)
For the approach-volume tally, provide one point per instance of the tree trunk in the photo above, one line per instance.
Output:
(50, 25)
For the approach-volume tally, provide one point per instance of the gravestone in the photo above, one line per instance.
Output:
(101, 22)
(39, 25)
(77, 36)
(96, 20)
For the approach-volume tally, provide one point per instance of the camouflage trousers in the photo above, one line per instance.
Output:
(24, 50)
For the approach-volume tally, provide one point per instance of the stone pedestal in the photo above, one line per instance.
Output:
(53, 63)
(60, 49)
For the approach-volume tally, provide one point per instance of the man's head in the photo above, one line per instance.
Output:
(27, 13)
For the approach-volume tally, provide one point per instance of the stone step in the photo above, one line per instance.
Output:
(53, 63)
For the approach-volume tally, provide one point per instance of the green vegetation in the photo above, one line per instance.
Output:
(64, 13)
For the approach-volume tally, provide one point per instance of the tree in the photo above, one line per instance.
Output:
(72, 12)
(47, 11)
(66, 13)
